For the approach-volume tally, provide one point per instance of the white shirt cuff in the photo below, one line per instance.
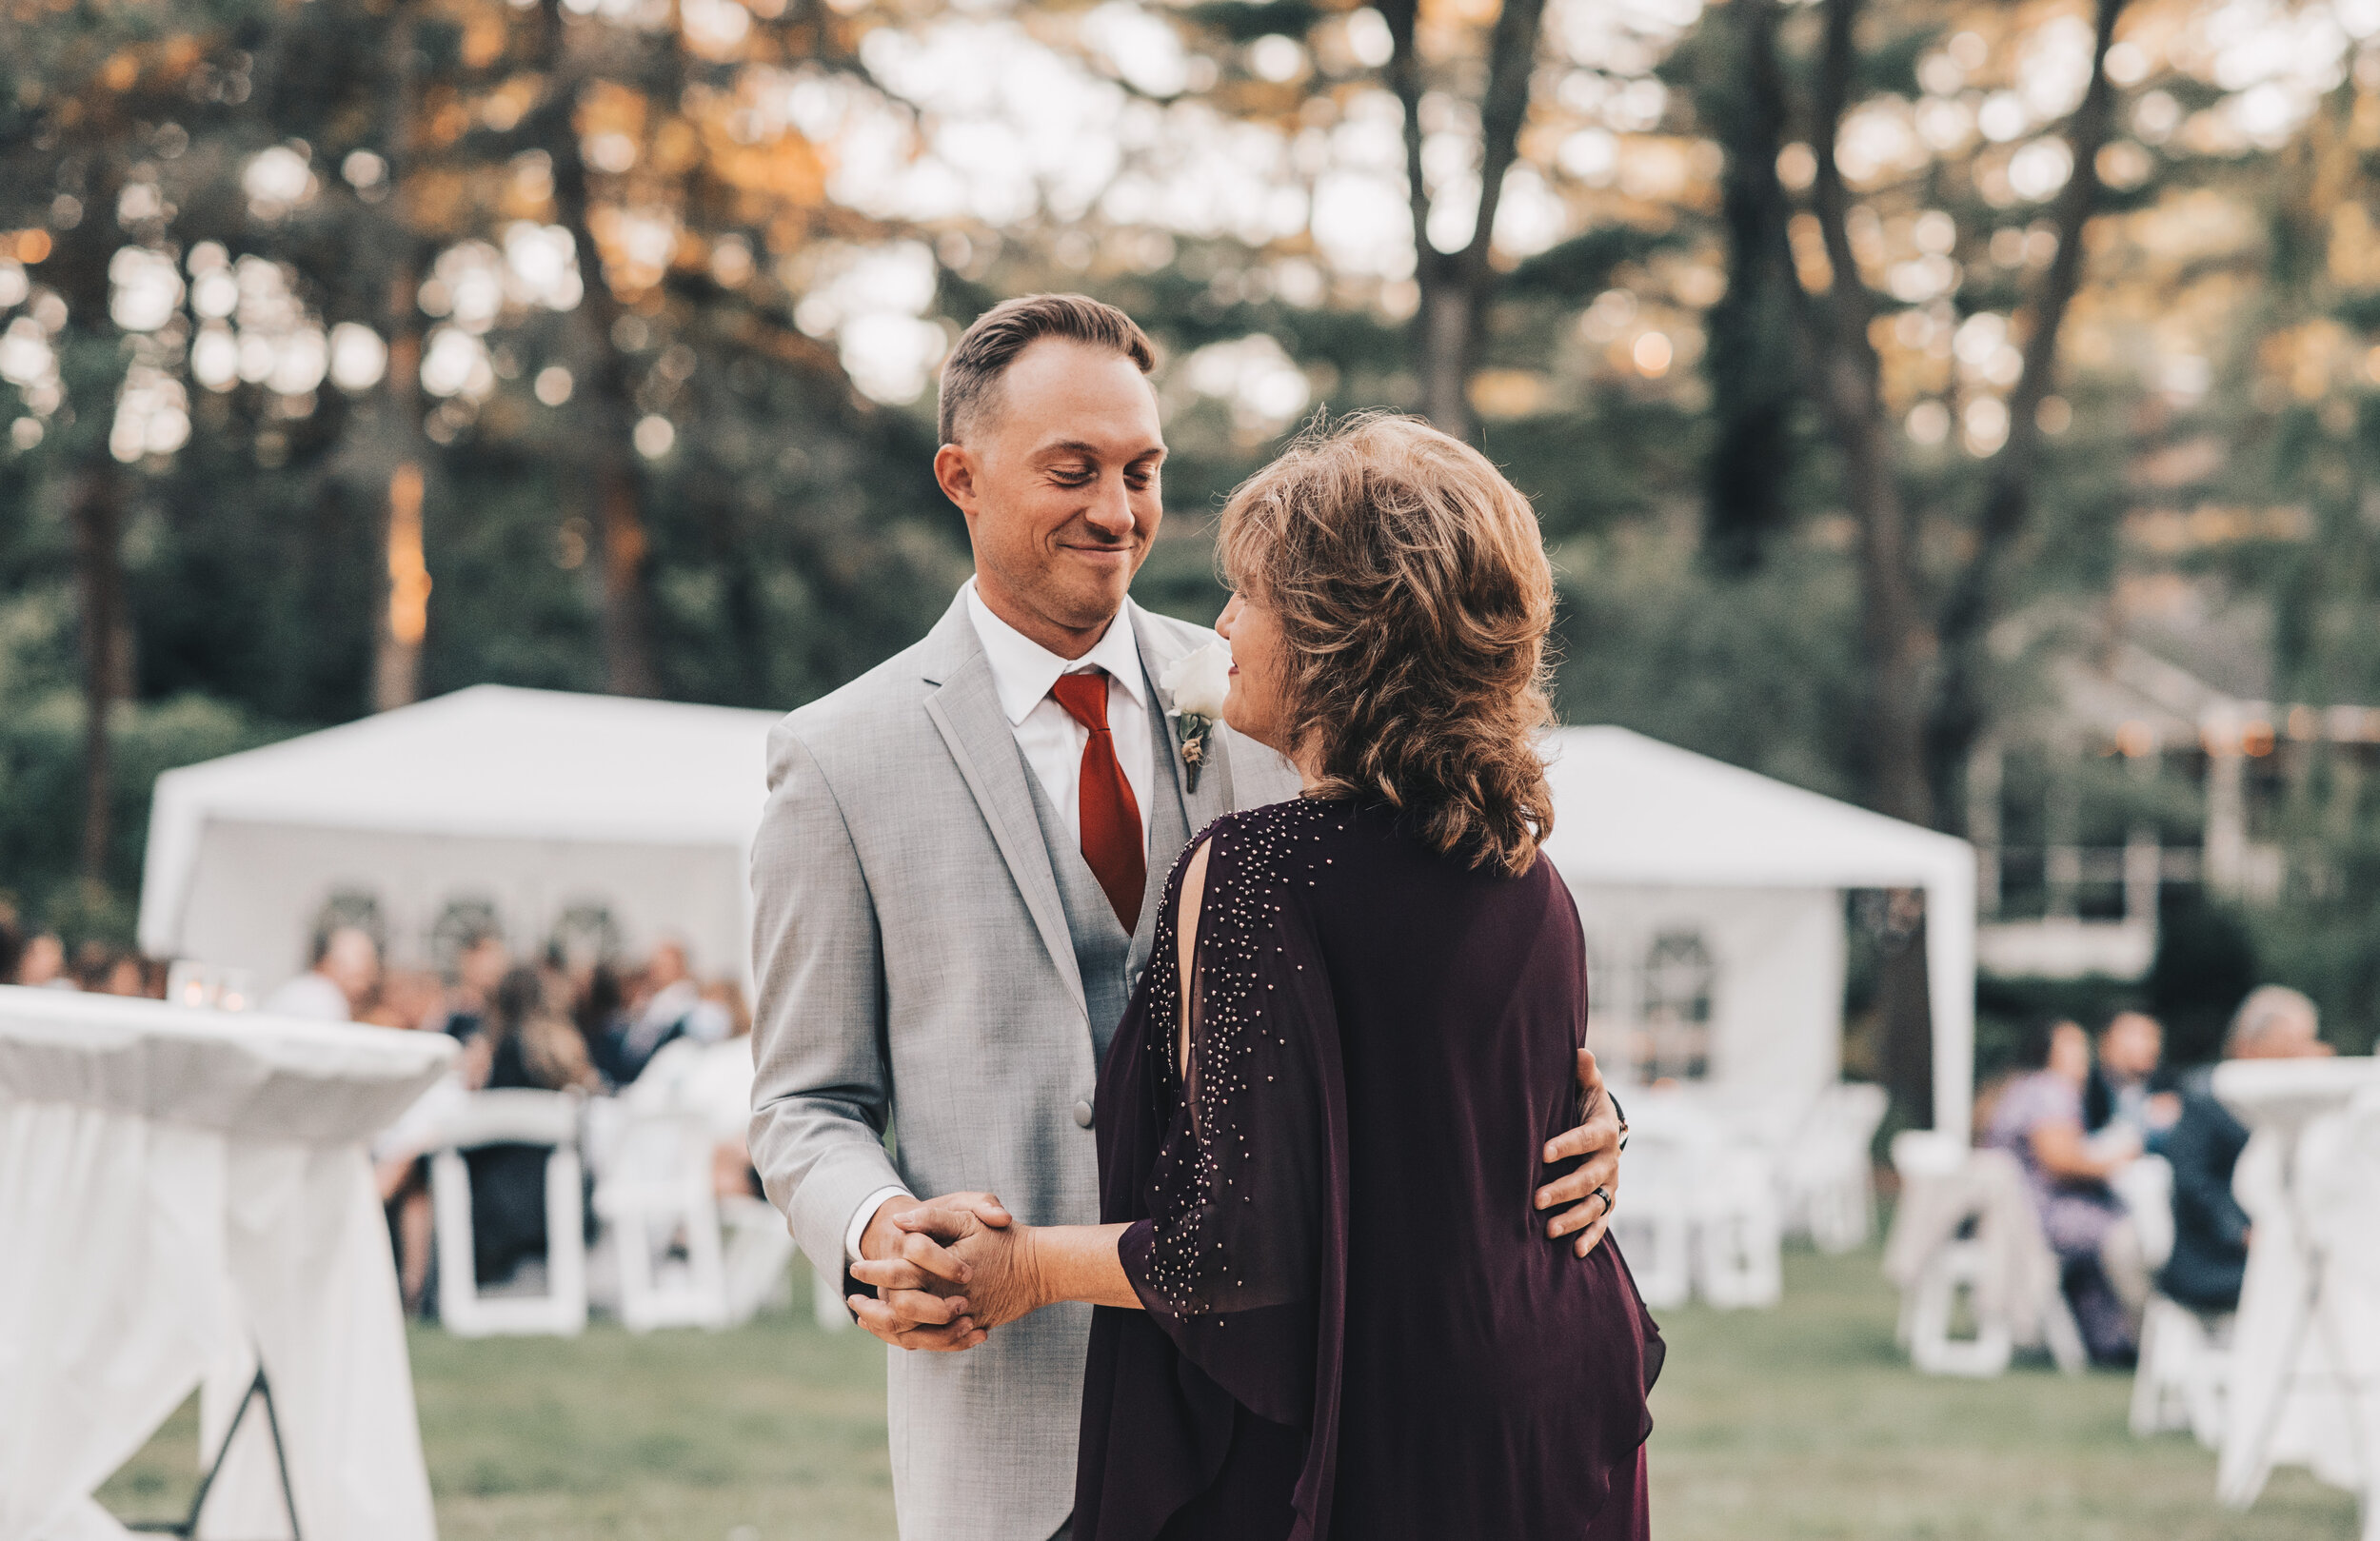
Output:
(859, 1217)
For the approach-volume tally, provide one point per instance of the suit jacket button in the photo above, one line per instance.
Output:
(1083, 1114)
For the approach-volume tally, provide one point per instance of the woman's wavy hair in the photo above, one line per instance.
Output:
(1415, 600)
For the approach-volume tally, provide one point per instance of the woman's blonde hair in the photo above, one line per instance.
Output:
(1414, 597)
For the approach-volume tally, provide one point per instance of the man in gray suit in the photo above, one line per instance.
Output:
(954, 886)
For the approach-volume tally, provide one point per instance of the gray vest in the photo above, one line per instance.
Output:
(1102, 949)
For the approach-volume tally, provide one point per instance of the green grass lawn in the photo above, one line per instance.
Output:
(1792, 1425)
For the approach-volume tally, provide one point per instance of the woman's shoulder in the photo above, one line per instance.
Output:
(1257, 845)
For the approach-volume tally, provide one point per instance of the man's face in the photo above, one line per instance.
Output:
(669, 966)
(1057, 479)
(2131, 1045)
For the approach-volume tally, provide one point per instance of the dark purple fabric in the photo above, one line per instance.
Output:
(1354, 1325)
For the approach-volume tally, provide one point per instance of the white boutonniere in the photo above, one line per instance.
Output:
(1199, 681)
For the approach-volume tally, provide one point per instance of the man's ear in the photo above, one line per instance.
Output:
(954, 470)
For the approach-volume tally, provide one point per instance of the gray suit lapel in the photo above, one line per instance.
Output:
(967, 712)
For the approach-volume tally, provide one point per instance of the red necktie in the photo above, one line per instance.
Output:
(1112, 842)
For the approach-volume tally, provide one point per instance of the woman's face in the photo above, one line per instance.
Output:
(2069, 1053)
(1258, 704)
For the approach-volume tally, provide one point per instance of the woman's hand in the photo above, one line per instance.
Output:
(994, 1254)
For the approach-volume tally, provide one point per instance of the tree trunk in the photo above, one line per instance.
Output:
(1845, 378)
(1457, 287)
(1749, 363)
(404, 616)
(97, 503)
(1893, 638)
(613, 489)
(1959, 713)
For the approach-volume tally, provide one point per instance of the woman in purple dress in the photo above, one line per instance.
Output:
(1328, 1306)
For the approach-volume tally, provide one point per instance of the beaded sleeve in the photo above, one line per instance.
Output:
(1230, 1261)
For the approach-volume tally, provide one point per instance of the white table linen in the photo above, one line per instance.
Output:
(181, 1191)
(2305, 1379)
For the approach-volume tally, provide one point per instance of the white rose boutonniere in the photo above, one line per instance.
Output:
(1199, 681)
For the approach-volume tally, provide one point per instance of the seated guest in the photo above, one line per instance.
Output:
(528, 1041)
(2125, 1090)
(408, 998)
(599, 1006)
(94, 965)
(479, 965)
(670, 1007)
(2210, 1229)
(346, 968)
(43, 967)
(2039, 1119)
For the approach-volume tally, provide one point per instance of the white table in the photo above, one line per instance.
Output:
(2305, 1379)
(184, 1193)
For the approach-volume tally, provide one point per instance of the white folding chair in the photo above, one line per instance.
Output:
(2184, 1360)
(1828, 1170)
(655, 1193)
(1738, 1261)
(1654, 1220)
(511, 1117)
(760, 1250)
(2146, 1188)
(1980, 1192)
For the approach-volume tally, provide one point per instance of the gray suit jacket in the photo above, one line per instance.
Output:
(915, 973)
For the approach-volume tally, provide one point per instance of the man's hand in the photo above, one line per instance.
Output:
(908, 1267)
(1002, 1279)
(1584, 1198)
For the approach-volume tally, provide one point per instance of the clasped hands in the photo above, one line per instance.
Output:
(948, 1269)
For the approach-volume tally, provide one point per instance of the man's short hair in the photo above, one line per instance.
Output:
(2265, 1009)
(970, 378)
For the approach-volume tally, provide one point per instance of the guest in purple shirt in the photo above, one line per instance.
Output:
(2038, 1118)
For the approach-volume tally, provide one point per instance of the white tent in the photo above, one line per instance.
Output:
(595, 813)
(1712, 896)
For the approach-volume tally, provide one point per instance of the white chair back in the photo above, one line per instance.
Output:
(1827, 1170)
(510, 1116)
(2146, 1186)
(656, 1194)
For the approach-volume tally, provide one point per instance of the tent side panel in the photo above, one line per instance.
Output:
(1775, 974)
(256, 892)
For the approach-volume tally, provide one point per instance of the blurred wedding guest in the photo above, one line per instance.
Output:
(729, 998)
(2126, 1089)
(127, 974)
(411, 1001)
(94, 965)
(479, 965)
(599, 1006)
(670, 1007)
(529, 1041)
(346, 967)
(11, 943)
(2210, 1231)
(44, 963)
(408, 998)
(2039, 1120)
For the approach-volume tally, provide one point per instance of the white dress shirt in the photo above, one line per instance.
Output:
(1051, 740)
(1023, 671)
